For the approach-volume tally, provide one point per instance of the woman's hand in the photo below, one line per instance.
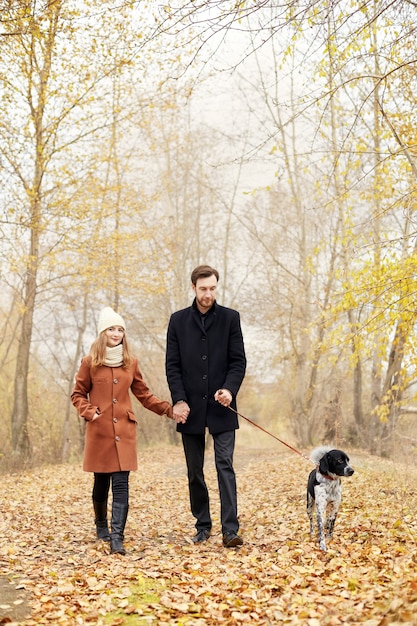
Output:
(181, 411)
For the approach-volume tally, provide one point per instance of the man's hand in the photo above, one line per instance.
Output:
(224, 396)
(181, 411)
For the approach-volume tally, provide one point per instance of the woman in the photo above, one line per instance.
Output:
(101, 397)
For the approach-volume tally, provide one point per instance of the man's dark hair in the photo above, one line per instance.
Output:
(203, 271)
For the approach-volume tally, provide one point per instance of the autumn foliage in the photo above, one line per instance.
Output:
(49, 554)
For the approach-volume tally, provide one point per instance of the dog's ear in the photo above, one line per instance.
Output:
(324, 464)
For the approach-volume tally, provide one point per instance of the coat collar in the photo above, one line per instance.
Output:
(210, 315)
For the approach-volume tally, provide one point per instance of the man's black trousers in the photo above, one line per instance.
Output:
(194, 448)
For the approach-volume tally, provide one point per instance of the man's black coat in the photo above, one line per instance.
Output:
(202, 359)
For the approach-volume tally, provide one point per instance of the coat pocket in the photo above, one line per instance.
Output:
(131, 417)
(99, 380)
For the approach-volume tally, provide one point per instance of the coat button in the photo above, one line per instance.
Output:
(204, 397)
(204, 376)
(117, 438)
(115, 381)
(114, 400)
(204, 357)
(115, 420)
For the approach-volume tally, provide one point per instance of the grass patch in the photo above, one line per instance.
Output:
(136, 608)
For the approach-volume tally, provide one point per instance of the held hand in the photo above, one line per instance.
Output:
(223, 396)
(181, 411)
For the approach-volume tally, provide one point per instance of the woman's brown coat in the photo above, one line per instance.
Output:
(110, 440)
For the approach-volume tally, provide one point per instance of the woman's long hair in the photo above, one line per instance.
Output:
(98, 351)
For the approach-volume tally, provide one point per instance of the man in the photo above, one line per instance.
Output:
(205, 367)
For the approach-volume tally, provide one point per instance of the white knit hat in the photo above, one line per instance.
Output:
(108, 318)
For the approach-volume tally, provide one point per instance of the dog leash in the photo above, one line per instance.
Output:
(271, 435)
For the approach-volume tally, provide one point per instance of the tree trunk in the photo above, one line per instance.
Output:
(20, 434)
(69, 407)
(37, 82)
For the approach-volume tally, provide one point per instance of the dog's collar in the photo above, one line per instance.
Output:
(326, 475)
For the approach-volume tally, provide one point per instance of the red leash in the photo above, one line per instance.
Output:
(271, 435)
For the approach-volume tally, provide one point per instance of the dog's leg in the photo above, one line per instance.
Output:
(321, 503)
(332, 511)
(310, 513)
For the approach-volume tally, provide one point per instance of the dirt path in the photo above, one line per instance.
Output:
(55, 572)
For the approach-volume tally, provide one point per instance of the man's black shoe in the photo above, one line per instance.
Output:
(231, 540)
(201, 536)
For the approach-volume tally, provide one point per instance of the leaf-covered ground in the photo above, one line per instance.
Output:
(61, 575)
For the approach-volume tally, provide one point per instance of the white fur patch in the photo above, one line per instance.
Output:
(318, 453)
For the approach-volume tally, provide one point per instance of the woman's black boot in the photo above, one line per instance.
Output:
(100, 511)
(118, 522)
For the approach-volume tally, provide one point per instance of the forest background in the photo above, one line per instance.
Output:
(275, 141)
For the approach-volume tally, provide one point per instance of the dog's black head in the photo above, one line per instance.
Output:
(335, 462)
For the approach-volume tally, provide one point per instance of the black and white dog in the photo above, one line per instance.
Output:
(324, 489)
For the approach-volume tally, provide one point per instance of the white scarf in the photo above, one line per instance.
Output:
(114, 356)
